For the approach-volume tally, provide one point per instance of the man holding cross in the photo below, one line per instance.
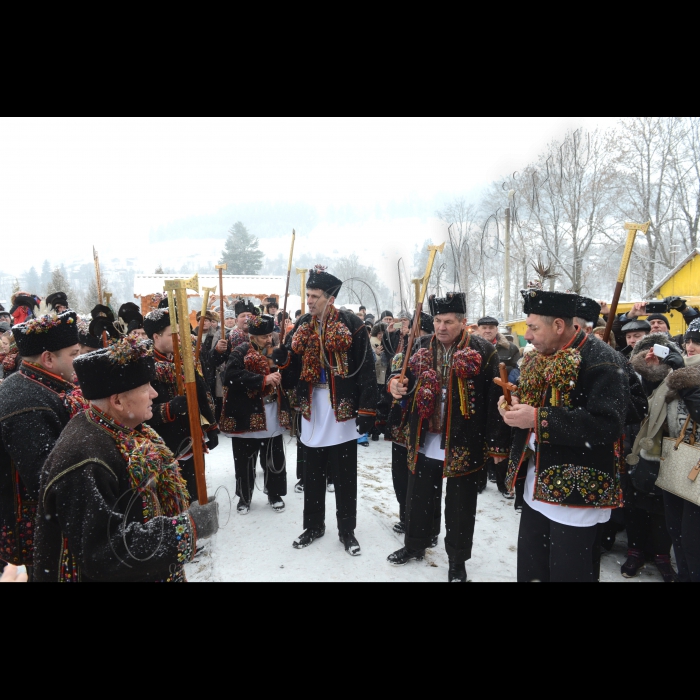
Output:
(568, 417)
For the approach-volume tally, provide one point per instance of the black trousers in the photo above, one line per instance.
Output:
(647, 532)
(399, 474)
(683, 520)
(553, 553)
(424, 506)
(338, 463)
(272, 460)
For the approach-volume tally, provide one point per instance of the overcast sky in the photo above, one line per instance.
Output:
(67, 183)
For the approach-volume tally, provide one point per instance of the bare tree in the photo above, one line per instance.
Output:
(686, 167)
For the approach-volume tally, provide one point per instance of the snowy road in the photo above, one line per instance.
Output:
(258, 547)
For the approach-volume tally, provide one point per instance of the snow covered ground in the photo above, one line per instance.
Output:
(258, 547)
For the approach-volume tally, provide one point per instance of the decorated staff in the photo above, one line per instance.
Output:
(632, 229)
(420, 300)
(180, 287)
(221, 269)
(176, 342)
(302, 274)
(205, 307)
(100, 298)
(283, 325)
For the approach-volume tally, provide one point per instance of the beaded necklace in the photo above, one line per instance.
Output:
(151, 466)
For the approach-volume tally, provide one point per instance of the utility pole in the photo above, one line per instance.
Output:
(506, 291)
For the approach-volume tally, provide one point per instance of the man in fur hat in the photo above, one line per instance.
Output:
(568, 416)
(114, 506)
(256, 414)
(131, 321)
(36, 404)
(170, 413)
(57, 302)
(24, 307)
(453, 429)
(330, 378)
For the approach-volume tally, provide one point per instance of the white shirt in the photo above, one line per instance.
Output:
(433, 442)
(323, 430)
(563, 515)
(273, 426)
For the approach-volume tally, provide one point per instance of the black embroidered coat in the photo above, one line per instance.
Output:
(352, 396)
(468, 441)
(90, 525)
(32, 417)
(245, 391)
(175, 431)
(579, 447)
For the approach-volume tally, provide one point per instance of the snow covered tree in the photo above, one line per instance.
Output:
(242, 254)
(32, 282)
(45, 279)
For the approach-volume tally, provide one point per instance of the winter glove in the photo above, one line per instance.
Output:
(206, 519)
(365, 424)
(213, 440)
(178, 407)
(674, 361)
(280, 356)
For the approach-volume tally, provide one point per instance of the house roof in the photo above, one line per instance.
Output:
(653, 292)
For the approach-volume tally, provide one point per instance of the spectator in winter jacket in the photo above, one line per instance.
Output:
(508, 353)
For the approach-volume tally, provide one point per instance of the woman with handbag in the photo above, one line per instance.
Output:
(682, 460)
(645, 516)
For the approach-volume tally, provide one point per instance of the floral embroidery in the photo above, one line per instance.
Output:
(129, 349)
(560, 484)
(345, 411)
(258, 423)
(427, 394)
(460, 462)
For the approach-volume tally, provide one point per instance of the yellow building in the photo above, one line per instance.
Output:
(682, 282)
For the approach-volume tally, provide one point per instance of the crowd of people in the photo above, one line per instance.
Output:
(97, 476)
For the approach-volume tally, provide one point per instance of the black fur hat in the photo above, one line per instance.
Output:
(453, 303)
(103, 322)
(427, 324)
(123, 366)
(246, 307)
(588, 309)
(261, 325)
(156, 322)
(554, 304)
(86, 338)
(319, 278)
(57, 299)
(130, 315)
(46, 334)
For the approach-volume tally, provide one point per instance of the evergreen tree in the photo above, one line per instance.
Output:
(159, 270)
(45, 280)
(59, 283)
(242, 254)
(32, 283)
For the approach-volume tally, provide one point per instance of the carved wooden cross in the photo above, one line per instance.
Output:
(507, 387)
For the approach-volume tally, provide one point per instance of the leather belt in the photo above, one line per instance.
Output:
(321, 386)
(270, 400)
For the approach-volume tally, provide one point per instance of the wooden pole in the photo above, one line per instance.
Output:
(415, 330)
(222, 304)
(100, 298)
(632, 230)
(176, 343)
(205, 308)
(283, 327)
(180, 287)
(303, 274)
